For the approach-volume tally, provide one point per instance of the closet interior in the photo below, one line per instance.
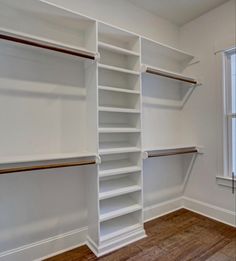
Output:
(88, 92)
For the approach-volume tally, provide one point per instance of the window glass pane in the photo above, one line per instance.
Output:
(234, 145)
(233, 82)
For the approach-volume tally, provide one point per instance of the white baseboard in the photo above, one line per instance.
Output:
(211, 211)
(117, 242)
(46, 248)
(67, 241)
(163, 208)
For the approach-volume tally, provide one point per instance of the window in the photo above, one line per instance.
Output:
(230, 110)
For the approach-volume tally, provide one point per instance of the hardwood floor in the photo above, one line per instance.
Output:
(181, 235)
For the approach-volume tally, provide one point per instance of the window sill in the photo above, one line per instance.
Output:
(225, 181)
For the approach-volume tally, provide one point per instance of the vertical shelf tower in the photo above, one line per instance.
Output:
(116, 212)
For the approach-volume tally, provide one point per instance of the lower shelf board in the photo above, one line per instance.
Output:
(118, 109)
(115, 187)
(118, 226)
(118, 130)
(117, 148)
(118, 171)
(112, 208)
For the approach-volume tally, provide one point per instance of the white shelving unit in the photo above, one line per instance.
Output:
(52, 55)
(110, 96)
(119, 205)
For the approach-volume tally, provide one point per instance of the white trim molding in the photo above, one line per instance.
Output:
(163, 208)
(48, 247)
(225, 181)
(58, 244)
(211, 211)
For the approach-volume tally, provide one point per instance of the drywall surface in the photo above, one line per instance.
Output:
(200, 114)
(127, 16)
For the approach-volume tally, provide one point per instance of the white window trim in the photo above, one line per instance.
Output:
(221, 51)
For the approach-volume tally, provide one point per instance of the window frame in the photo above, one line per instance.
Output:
(221, 50)
(228, 113)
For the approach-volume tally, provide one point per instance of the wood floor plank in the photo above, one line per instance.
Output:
(181, 235)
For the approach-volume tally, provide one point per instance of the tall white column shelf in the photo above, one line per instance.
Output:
(120, 201)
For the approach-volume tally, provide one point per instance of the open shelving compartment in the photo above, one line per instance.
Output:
(111, 143)
(122, 184)
(164, 78)
(46, 24)
(119, 122)
(118, 164)
(51, 53)
(120, 203)
(166, 90)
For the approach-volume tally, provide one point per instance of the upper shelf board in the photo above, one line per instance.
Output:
(118, 37)
(23, 164)
(169, 151)
(166, 50)
(116, 49)
(25, 39)
(169, 74)
(44, 157)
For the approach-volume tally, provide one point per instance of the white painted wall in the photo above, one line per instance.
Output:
(200, 124)
(125, 15)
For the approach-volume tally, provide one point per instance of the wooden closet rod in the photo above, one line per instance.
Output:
(170, 75)
(48, 46)
(169, 152)
(49, 166)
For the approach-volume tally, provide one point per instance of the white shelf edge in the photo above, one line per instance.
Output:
(119, 192)
(169, 74)
(118, 150)
(177, 146)
(117, 109)
(118, 69)
(119, 130)
(120, 212)
(199, 150)
(116, 89)
(118, 171)
(116, 49)
(181, 52)
(46, 41)
(44, 157)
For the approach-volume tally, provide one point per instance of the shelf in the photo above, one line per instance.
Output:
(23, 164)
(169, 151)
(44, 157)
(117, 167)
(115, 109)
(118, 226)
(116, 89)
(169, 74)
(116, 207)
(167, 50)
(118, 130)
(116, 147)
(43, 43)
(116, 187)
(117, 69)
(116, 49)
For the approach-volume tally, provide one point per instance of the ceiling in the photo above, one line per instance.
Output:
(179, 12)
